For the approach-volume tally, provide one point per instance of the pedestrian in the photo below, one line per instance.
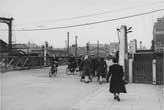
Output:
(93, 65)
(101, 72)
(97, 59)
(117, 84)
(81, 66)
(86, 69)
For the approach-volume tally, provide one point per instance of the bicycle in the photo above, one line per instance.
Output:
(70, 70)
(53, 71)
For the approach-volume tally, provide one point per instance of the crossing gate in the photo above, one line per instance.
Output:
(142, 72)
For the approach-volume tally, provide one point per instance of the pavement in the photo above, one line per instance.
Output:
(139, 97)
(34, 90)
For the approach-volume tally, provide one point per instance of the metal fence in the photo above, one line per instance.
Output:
(142, 72)
(21, 62)
(8, 63)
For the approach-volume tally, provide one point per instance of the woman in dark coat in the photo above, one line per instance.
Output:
(117, 84)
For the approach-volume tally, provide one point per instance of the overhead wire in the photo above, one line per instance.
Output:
(105, 12)
(91, 23)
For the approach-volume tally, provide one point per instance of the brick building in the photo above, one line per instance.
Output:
(158, 35)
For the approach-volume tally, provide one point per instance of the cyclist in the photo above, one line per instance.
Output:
(72, 64)
(54, 66)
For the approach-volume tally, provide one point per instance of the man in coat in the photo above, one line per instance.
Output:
(86, 69)
(101, 71)
(117, 84)
(93, 63)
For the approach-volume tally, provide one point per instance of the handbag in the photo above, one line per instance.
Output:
(124, 82)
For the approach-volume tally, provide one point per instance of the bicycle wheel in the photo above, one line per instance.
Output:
(67, 71)
(55, 72)
(50, 73)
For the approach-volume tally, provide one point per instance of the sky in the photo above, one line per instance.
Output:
(39, 14)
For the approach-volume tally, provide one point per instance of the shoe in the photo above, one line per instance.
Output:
(118, 98)
(115, 97)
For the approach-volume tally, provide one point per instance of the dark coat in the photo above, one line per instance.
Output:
(86, 67)
(117, 84)
(102, 66)
(81, 65)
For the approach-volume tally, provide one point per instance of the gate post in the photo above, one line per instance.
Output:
(131, 70)
(45, 53)
(154, 70)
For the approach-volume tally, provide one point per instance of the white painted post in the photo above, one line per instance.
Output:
(123, 46)
(154, 70)
(45, 53)
(131, 70)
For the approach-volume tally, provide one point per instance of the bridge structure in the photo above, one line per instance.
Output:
(8, 21)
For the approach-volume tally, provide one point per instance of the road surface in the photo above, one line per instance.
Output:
(34, 90)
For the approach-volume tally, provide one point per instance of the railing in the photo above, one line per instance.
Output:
(8, 63)
(21, 62)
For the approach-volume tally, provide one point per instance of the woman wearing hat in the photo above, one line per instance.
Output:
(117, 84)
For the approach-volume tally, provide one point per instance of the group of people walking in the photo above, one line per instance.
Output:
(97, 67)
(90, 67)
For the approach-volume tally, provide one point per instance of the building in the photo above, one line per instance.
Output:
(114, 47)
(133, 46)
(158, 35)
(21, 47)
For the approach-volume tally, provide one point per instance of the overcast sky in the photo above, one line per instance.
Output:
(39, 14)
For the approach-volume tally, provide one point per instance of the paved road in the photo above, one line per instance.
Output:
(34, 90)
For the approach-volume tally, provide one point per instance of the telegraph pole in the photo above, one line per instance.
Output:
(123, 49)
(68, 42)
(87, 46)
(10, 35)
(98, 48)
(45, 53)
(75, 46)
(8, 21)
